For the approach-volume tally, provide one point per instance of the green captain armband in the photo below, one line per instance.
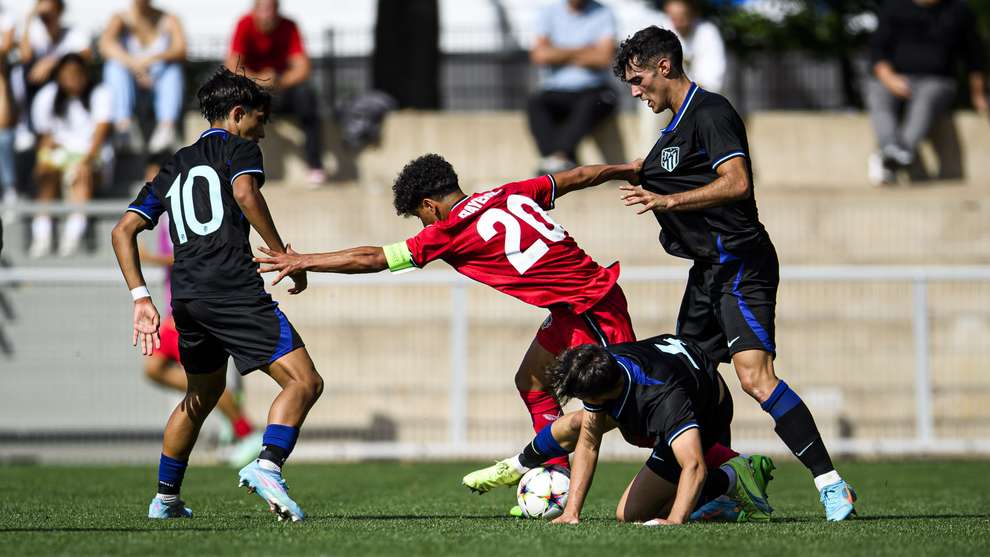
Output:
(398, 257)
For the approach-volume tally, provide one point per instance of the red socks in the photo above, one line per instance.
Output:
(718, 455)
(242, 428)
(543, 409)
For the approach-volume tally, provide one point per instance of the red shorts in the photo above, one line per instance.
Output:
(170, 340)
(607, 322)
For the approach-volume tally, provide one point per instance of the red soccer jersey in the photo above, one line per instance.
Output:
(504, 238)
(259, 51)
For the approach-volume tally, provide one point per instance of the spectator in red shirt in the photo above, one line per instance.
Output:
(268, 47)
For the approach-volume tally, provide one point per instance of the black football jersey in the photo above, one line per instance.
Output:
(670, 386)
(208, 229)
(705, 133)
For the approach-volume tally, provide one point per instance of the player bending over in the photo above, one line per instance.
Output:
(503, 238)
(661, 392)
(211, 192)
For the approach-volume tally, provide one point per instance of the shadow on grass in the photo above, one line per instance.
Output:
(22, 530)
(873, 517)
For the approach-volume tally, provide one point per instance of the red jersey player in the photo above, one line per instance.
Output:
(504, 238)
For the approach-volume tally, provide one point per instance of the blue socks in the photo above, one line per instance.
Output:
(781, 401)
(543, 448)
(278, 441)
(170, 474)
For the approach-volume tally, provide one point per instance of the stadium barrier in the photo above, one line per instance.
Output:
(891, 360)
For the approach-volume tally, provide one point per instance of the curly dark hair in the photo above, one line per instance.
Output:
(583, 371)
(429, 176)
(647, 46)
(226, 89)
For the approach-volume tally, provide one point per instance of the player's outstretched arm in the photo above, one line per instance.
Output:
(581, 177)
(687, 451)
(146, 318)
(364, 259)
(585, 460)
(731, 185)
(248, 196)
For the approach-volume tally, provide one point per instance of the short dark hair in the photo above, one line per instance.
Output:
(583, 371)
(429, 176)
(226, 89)
(647, 46)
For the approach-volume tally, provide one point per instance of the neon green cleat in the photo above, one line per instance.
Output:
(516, 512)
(502, 473)
(763, 467)
(749, 492)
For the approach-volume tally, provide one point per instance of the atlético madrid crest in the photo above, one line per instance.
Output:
(669, 158)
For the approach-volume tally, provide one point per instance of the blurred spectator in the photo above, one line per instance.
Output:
(72, 116)
(145, 48)
(268, 47)
(44, 39)
(406, 63)
(8, 115)
(916, 51)
(575, 41)
(704, 51)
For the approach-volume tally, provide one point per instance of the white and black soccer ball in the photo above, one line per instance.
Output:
(542, 492)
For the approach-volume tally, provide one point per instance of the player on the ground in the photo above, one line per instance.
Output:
(163, 367)
(698, 181)
(503, 238)
(662, 393)
(211, 192)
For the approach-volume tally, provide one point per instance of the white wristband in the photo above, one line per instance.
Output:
(140, 292)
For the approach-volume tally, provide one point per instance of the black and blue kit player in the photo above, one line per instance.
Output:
(211, 192)
(698, 182)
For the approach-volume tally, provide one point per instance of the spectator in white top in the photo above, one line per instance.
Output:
(73, 118)
(704, 51)
(145, 48)
(8, 115)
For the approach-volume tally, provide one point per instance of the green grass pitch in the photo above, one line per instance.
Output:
(907, 508)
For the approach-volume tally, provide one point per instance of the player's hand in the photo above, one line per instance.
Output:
(637, 167)
(288, 263)
(299, 282)
(566, 519)
(637, 195)
(146, 322)
(898, 85)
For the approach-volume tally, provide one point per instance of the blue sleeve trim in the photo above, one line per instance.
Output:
(593, 408)
(249, 170)
(727, 157)
(140, 212)
(690, 425)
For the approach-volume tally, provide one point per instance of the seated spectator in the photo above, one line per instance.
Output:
(268, 47)
(916, 52)
(145, 48)
(73, 118)
(575, 41)
(44, 40)
(8, 115)
(704, 51)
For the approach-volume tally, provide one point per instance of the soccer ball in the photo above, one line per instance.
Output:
(542, 492)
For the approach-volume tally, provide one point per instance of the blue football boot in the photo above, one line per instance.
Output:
(160, 509)
(838, 499)
(270, 486)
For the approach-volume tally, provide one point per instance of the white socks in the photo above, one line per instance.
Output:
(514, 462)
(168, 499)
(269, 465)
(827, 479)
(729, 471)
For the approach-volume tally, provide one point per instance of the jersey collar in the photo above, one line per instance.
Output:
(680, 113)
(213, 131)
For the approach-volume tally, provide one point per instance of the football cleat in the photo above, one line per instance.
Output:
(516, 512)
(763, 467)
(748, 492)
(270, 486)
(502, 473)
(838, 499)
(245, 450)
(161, 509)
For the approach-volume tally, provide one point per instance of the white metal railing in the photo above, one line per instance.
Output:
(457, 442)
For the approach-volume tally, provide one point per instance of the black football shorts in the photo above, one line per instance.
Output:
(252, 330)
(729, 307)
